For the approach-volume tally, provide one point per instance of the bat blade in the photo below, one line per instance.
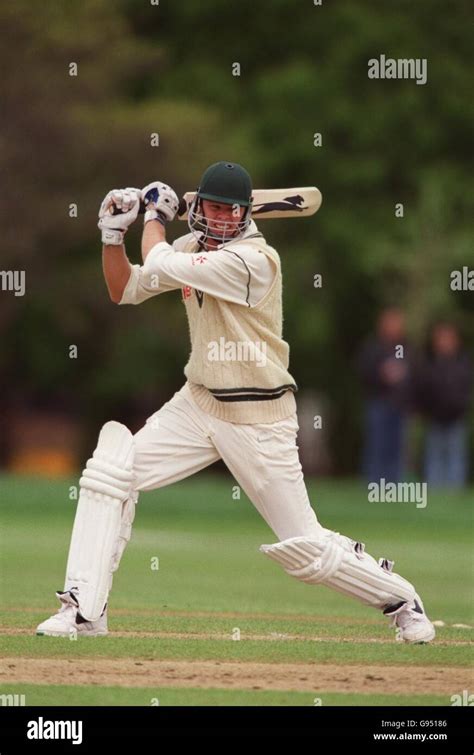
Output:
(272, 203)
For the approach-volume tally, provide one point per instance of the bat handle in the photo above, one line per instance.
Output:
(116, 211)
(181, 210)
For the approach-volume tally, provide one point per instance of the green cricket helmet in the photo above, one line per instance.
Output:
(226, 183)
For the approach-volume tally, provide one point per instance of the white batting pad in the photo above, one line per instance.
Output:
(98, 533)
(340, 563)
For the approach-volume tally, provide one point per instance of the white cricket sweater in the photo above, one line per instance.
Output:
(238, 366)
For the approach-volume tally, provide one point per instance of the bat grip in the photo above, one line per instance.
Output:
(116, 211)
(181, 210)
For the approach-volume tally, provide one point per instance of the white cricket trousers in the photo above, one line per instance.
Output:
(180, 439)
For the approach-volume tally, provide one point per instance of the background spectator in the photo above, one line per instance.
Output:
(443, 389)
(385, 373)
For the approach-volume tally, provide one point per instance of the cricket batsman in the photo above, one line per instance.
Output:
(237, 404)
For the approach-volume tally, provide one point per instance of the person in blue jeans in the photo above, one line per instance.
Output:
(385, 371)
(443, 390)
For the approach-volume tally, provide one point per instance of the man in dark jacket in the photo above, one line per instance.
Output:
(443, 389)
(385, 372)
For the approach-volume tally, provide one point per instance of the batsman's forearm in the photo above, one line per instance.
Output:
(117, 269)
(153, 233)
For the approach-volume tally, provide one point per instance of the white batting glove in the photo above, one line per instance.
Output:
(126, 203)
(160, 201)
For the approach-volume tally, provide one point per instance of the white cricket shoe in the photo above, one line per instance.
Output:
(413, 625)
(68, 621)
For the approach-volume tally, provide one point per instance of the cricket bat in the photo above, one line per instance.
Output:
(267, 203)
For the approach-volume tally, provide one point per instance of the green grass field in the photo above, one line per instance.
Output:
(218, 623)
